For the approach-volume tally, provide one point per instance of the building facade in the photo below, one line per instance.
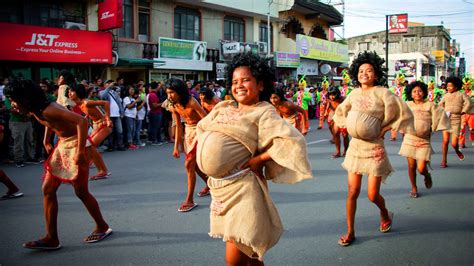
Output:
(424, 52)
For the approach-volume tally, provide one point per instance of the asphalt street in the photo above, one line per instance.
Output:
(141, 198)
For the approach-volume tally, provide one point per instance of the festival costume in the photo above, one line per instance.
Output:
(61, 163)
(322, 100)
(467, 120)
(62, 99)
(295, 120)
(227, 139)
(428, 119)
(455, 103)
(190, 140)
(364, 114)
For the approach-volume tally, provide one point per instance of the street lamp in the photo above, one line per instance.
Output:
(268, 28)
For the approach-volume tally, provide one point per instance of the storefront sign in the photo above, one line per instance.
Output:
(42, 44)
(409, 66)
(314, 48)
(110, 14)
(231, 48)
(439, 55)
(180, 64)
(220, 71)
(308, 67)
(287, 60)
(398, 23)
(182, 49)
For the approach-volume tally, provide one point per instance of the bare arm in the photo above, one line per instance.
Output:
(47, 136)
(296, 108)
(198, 108)
(178, 138)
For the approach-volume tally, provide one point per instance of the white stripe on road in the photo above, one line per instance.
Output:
(316, 141)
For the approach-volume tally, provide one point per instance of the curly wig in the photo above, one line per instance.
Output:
(180, 88)
(413, 85)
(375, 61)
(260, 70)
(28, 95)
(457, 82)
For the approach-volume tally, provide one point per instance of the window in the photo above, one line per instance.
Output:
(187, 24)
(234, 29)
(126, 31)
(144, 20)
(364, 46)
(54, 13)
(264, 32)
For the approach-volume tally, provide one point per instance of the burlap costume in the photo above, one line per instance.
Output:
(428, 118)
(365, 114)
(61, 164)
(190, 140)
(227, 139)
(454, 104)
(295, 120)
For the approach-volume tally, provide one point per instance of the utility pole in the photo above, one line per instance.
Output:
(269, 42)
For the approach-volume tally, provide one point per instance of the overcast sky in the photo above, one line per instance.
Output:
(367, 16)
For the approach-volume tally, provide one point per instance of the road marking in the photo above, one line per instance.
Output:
(316, 141)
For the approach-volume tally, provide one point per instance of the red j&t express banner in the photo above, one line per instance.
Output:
(398, 23)
(42, 44)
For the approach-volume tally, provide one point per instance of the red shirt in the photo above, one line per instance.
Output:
(153, 98)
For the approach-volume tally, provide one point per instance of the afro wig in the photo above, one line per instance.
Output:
(375, 61)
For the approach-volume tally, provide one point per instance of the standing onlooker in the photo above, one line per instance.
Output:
(154, 115)
(141, 114)
(22, 134)
(116, 112)
(130, 105)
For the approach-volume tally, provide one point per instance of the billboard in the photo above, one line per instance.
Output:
(182, 49)
(409, 66)
(286, 60)
(398, 23)
(43, 44)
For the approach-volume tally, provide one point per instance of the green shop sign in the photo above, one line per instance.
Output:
(182, 49)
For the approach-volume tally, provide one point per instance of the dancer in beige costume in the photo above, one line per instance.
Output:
(235, 141)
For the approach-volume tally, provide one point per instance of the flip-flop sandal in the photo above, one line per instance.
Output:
(336, 155)
(186, 207)
(204, 192)
(96, 237)
(428, 182)
(386, 226)
(460, 155)
(98, 177)
(413, 195)
(40, 244)
(346, 241)
(11, 196)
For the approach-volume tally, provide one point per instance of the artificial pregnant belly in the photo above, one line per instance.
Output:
(219, 155)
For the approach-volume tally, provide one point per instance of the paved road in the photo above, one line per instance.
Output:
(140, 199)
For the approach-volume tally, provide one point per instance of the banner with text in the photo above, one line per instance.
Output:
(182, 49)
(314, 48)
(42, 44)
(287, 60)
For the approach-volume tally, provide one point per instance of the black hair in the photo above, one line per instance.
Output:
(278, 91)
(68, 77)
(80, 90)
(371, 58)
(334, 91)
(457, 82)
(28, 95)
(260, 69)
(413, 85)
(208, 94)
(180, 88)
(154, 85)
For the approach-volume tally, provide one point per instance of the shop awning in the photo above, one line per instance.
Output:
(139, 62)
